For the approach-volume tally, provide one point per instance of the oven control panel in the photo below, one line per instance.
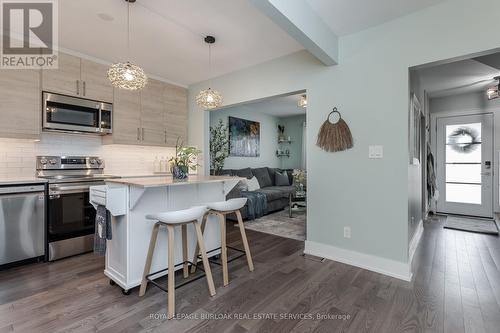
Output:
(68, 162)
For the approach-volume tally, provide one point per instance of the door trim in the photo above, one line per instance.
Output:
(435, 118)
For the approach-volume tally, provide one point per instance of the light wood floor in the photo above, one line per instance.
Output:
(456, 288)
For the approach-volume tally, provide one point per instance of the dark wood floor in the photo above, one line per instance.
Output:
(456, 288)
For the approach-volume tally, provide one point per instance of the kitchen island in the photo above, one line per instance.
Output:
(129, 200)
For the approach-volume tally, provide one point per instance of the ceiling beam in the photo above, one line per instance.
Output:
(492, 60)
(301, 22)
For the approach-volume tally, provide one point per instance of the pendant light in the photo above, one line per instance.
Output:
(126, 75)
(494, 92)
(302, 101)
(209, 98)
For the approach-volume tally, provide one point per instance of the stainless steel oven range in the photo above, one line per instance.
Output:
(70, 216)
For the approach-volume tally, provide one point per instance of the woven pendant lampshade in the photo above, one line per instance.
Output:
(209, 98)
(126, 75)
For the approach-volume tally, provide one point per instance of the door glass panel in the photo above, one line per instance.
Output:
(463, 193)
(463, 134)
(456, 154)
(463, 163)
(463, 173)
(463, 143)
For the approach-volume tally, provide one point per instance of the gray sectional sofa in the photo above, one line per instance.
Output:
(277, 196)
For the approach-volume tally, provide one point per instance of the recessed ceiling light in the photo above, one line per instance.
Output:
(105, 17)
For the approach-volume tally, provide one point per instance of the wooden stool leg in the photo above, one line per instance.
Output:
(171, 272)
(223, 250)
(185, 268)
(245, 241)
(204, 257)
(149, 259)
(197, 248)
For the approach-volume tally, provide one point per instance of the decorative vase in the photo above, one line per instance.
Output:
(180, 172)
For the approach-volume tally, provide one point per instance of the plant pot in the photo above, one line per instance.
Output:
(180, 172)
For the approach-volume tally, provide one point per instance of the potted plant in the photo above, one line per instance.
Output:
(299, 180)
(281, 131)
(185, 158)
(219, 146)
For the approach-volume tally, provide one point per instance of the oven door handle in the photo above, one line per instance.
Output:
(56, 193)
(58, 190)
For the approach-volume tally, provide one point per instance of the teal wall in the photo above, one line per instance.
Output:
(293, 129)
(371, 88)
(268, 137)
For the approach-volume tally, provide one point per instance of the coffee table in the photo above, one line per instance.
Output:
(297, 200)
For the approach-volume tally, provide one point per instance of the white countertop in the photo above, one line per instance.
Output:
(21, 181)
(161, 181)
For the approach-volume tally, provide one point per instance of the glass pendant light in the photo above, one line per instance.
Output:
(302, 101)
(209, 98)
(494, 92)
(126, 75)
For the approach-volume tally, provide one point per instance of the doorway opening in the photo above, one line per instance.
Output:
(264, 142)
(460, 112)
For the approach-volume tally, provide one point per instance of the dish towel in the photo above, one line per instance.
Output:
(102, 230)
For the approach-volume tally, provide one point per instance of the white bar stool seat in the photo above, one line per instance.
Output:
(171, 220)
(229, 205)
(221, 209)
(179, 216)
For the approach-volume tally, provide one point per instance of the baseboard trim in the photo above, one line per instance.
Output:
(389, 267)
(415, 240)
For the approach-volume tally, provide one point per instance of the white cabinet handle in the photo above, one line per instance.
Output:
(83, 82)
(143, 134)
(78, 87)
(138, 134)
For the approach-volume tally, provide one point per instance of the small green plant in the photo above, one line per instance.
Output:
(219, 146)
(185, 158)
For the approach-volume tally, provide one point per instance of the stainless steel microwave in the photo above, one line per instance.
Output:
(76, 115)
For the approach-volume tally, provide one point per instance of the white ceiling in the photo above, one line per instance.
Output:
(167, 35)
(282, 106)
(349, 16)
(457, 78)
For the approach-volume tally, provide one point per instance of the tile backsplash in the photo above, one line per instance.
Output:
(18, 156)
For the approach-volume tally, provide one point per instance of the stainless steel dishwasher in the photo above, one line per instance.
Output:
(22, 223)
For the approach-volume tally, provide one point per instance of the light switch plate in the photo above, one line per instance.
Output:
(375, 151)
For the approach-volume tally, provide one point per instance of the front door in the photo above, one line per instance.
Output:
(465, 165)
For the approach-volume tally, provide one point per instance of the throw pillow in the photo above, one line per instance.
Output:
(247, 173)
(242, 185)
(262, 176)
(281, 178)
(253, 184)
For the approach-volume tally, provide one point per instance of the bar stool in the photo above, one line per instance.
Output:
(221, 209)
(171, 220)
